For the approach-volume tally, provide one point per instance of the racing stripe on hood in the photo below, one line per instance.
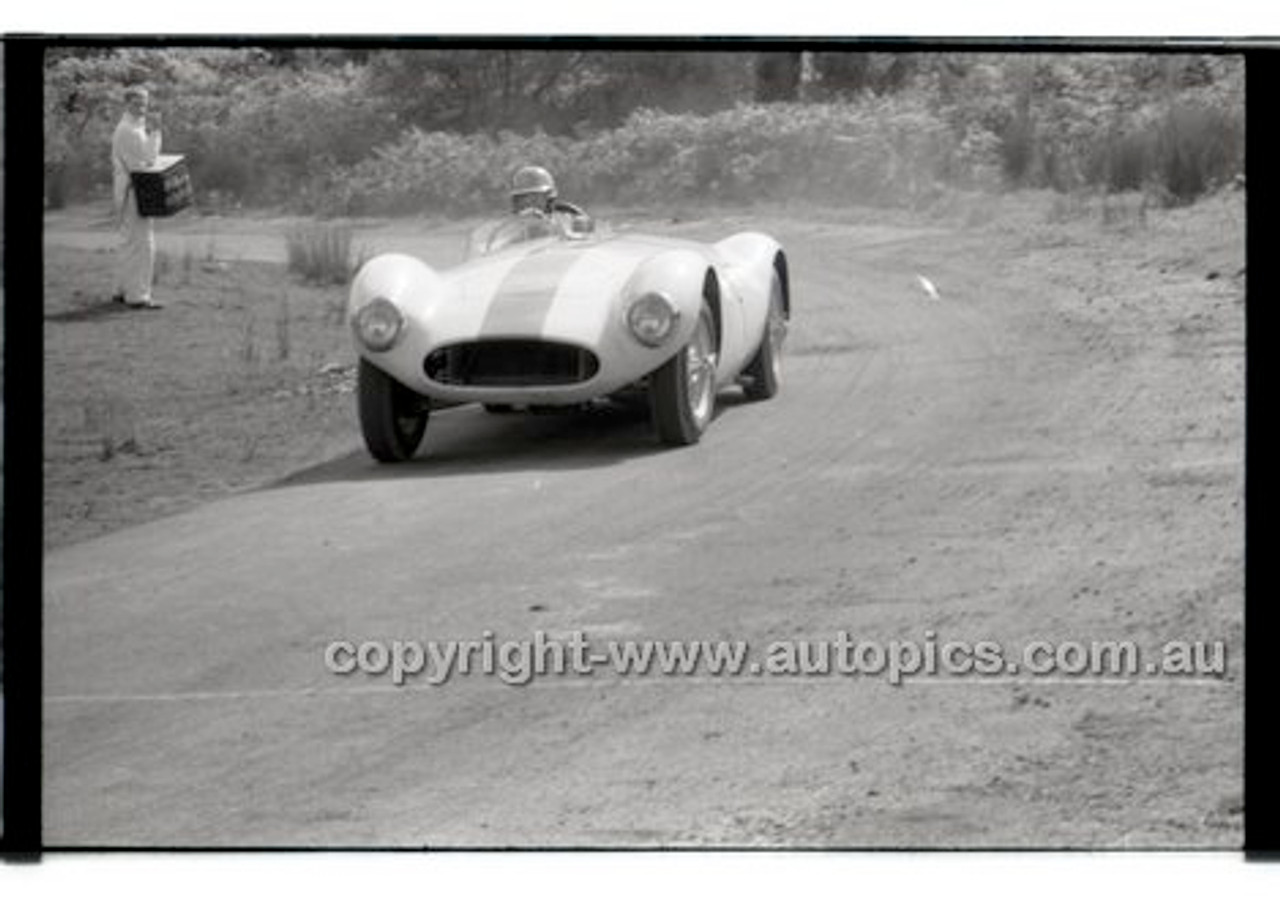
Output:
(583, 309)
(524, 298)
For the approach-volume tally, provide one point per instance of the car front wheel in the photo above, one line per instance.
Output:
(393, 418)
(683, 390)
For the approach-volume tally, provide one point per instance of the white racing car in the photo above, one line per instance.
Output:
(548, 314)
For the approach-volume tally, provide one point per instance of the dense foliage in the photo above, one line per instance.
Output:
(873, 151)
(412, 130)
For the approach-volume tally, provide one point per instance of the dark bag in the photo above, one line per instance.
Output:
(163, 189)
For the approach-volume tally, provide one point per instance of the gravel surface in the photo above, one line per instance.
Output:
(1051, 450)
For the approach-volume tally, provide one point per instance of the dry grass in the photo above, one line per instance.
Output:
(322, 253)
(1127, 211)
(242, 378)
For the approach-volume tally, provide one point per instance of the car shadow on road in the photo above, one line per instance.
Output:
(90, 311)
(469, 440)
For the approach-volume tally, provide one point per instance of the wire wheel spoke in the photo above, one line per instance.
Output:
(701, 371)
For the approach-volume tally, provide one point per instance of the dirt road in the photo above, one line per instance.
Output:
(1051, 451)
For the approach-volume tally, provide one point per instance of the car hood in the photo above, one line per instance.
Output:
(553, 289)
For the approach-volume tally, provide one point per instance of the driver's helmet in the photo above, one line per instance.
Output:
(532, 189)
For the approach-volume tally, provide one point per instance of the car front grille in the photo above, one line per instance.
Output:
(510, 364)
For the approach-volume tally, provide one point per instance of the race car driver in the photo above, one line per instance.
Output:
(533, 191)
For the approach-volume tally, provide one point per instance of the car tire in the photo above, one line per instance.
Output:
(764, 374)
(682, 392)
(393, 418)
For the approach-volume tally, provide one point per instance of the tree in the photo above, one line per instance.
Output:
(477, 90)
(676, 82)
(841, 74)
(778, 76)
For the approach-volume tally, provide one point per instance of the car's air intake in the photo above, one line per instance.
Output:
(510, 364)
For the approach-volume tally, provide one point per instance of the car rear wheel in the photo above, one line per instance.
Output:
(764, 375)
(393, 418)
(683, 390)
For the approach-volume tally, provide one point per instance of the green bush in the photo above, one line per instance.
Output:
(873, 152)
(1170, 125)
(1198, 149)
(252, 131)
(334, 132)
(437, 173)
(1179, 153)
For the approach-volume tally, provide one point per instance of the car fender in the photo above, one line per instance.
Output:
(407, 282)
(749, 263)
(416, 290)
(678, 273)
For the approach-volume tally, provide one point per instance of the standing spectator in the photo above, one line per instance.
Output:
(134, 145)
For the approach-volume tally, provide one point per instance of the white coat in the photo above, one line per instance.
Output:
(133, 146)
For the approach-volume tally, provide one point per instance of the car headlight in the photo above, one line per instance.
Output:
(652, 318)
(378, 324)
